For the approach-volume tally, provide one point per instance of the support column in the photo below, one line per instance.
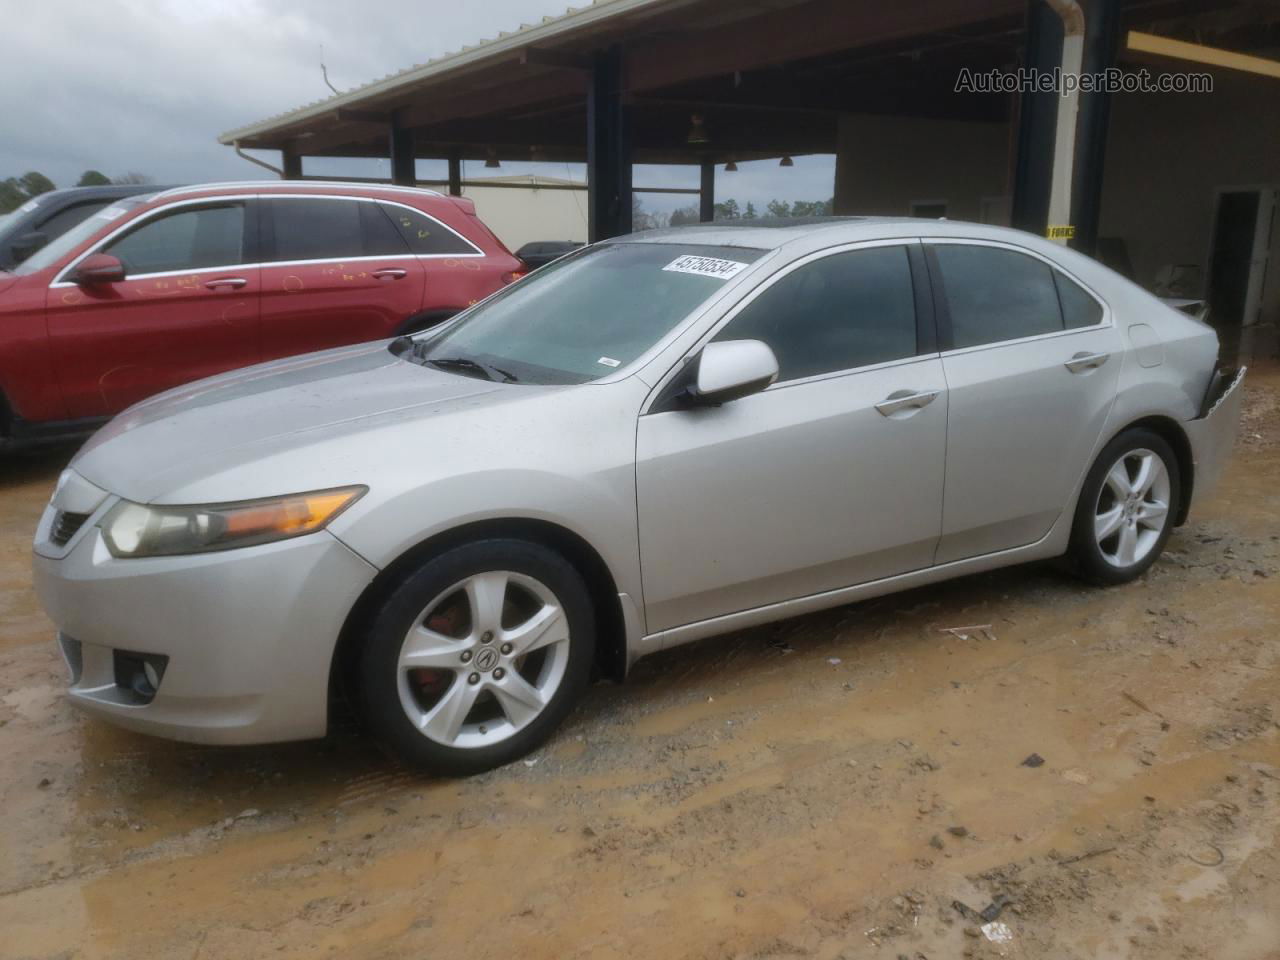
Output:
(1101, 50)
(1037, 123)
(455, 174)
(291, 164)
(707, 194)
(608, 149)
(404, 167)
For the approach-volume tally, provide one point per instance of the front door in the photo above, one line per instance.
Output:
(831, 477)
(1032, 374)
(187, 308)
(339, 273)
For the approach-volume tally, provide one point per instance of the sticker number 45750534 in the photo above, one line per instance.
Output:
(705, 266)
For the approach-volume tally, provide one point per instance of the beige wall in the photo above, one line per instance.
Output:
(1166, 156)
(884, 164)
(520, 215)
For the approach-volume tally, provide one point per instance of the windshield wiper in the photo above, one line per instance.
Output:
(489, 371)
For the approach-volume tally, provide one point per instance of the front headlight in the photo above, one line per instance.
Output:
(136, 530)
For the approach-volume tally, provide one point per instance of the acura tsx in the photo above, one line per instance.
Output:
(652, 440)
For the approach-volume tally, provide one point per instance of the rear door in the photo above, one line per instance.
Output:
(458, 272)
(337, 271)
(187, 308)
(1031, 359)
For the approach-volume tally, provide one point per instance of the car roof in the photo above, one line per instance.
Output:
(113, 191)
(775, 233)
(318, 187)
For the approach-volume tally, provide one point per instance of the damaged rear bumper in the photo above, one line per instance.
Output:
(1213, 433)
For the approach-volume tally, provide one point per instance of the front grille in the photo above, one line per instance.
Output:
(65, 525)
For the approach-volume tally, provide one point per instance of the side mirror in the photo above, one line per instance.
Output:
(27, 244)
(96, 269)
(732, 369)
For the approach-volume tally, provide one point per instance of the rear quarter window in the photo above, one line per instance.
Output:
(425, 235)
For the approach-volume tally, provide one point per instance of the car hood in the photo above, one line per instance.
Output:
(214, 426)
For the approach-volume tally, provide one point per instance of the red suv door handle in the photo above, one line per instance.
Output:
(391, 273)
(235, 283)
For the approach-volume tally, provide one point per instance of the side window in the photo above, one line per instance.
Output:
(316, 228)
(190, 238)
(425, 235)
(995, 294)
(68, 217)
(1079, 308)
(843, 311)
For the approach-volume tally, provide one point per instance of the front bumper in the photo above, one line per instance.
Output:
(248, 634)
(1213, 433)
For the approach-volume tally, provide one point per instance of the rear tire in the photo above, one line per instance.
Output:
(1126, 509)
(477, 656)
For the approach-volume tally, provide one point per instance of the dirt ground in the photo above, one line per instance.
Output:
(850, 784)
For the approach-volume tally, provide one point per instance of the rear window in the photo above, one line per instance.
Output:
(425, 235)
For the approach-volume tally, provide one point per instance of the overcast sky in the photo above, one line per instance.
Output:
(147, 85)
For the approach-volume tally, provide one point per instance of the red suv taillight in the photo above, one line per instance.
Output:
(513, 276)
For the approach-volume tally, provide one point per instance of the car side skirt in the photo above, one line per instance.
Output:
(1053, 544)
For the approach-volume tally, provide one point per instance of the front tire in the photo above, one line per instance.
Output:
(1126, 509)
(477, 656)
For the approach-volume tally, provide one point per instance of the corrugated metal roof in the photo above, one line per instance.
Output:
(506, 42)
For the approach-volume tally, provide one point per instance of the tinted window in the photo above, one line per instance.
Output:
(995, 294)
(316, 229)
(381, 238)
(846, 310)
(425, 235)
(1079, 309)
(68, 217)
(190, 239)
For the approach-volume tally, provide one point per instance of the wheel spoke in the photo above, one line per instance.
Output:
(1108, 522)
(1118, 480)
(519, 699)
(1150, 469)
(427, 649)
(1127, 549)
(445, 719)
(1152, 514)
(546, 626)
(486, 592)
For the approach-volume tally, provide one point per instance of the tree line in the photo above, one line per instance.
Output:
(730, 210)
(15, 191)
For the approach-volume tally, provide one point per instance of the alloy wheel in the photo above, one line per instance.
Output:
(483, 659)
(1132, 508)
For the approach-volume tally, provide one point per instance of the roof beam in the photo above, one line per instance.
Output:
(1199, 53)
(810, 30)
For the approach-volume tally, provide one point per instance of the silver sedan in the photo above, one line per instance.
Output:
(651, 441)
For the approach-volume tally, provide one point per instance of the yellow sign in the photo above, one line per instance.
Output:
(1066, 232)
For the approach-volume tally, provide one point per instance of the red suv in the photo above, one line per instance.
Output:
(156, 291)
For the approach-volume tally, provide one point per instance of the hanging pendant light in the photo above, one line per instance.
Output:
(786, 161)
(491, 162)
(731, 166)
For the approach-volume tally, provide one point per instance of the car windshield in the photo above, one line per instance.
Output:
(56, 249)
(585, 316)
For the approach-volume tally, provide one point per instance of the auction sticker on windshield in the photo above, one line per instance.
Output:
(705, 266)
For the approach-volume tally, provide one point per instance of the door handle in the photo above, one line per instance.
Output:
(1083, 362)
(390, 273)
(235, 283)
(901, 400)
